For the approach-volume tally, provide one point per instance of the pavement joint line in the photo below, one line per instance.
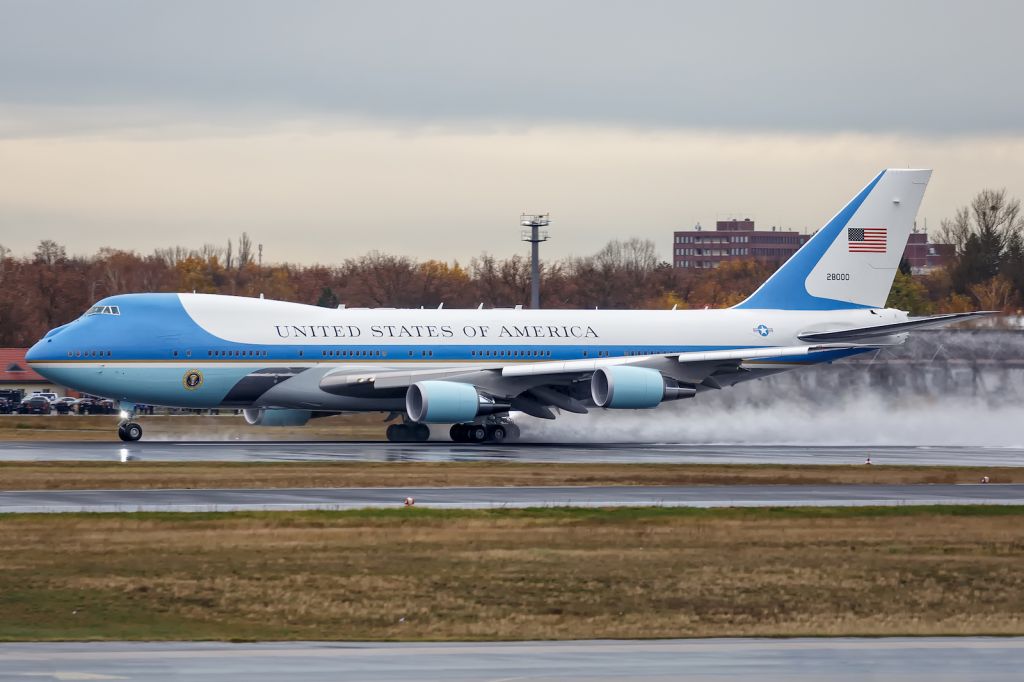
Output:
(23, 651)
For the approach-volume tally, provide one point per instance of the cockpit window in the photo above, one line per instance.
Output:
(103, 310)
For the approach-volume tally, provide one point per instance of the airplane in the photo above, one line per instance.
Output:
(284, 363)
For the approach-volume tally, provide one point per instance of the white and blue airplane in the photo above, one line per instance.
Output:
(286, 363)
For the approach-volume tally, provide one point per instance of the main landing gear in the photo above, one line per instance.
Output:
(409, 432)
(498, 432)
(128, 430)
(493, 430)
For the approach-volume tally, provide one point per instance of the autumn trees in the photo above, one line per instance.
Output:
(49, 288)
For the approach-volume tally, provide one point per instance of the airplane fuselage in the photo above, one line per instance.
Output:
(205, 351)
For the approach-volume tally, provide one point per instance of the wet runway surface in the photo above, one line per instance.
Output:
(653, 453)
(261, 499)
(931, 659)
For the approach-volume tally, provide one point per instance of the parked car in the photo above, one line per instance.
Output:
(7, 406)
(95, 406)
(49, 395)
(12, 395)
(35, 405)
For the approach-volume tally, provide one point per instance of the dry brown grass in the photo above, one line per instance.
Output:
(86, 475)
(226, 426)
(423, 574)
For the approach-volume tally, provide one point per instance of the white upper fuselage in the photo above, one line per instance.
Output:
(247, 321)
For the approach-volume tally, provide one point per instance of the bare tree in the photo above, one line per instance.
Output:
(244, 251)
(171, 256)
(211, 253)
(50, 252)
(991, 217)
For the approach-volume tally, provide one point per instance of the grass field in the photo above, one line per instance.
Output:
(425, 574)
(111, 475)
(226, 427)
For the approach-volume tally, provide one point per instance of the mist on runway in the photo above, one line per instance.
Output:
(941, 388)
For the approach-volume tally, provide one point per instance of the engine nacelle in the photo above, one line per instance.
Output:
(263, 416)
(447, 402)
(634, 388)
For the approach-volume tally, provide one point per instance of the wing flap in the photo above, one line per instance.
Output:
(712, 356)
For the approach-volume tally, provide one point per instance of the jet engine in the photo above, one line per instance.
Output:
(448, 402)
(634, 388)
(263, 416)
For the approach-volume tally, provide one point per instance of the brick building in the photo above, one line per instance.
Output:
(924, 256)
(733, 240)
(738, 240)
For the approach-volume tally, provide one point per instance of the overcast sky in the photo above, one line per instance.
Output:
(327, 130)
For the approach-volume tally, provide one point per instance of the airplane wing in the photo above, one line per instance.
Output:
(858, 333)
(534, 387)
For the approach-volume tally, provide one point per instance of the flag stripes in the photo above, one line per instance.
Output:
(867, 239)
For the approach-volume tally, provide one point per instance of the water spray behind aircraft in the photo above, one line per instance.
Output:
(944, 387)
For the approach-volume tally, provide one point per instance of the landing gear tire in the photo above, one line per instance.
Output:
(496, 434)
(476, 433)
(408, 433)
(129, 432)
(459, 433)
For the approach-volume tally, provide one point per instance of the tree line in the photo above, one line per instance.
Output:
(49, 287)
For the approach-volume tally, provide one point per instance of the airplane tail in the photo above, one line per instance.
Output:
(852, 260)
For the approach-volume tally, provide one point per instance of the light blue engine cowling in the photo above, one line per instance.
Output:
(447, 402)
(634, 388)
(270, 417)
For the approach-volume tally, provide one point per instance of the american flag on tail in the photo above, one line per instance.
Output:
(867, 239)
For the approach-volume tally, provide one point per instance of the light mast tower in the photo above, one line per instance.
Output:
(534, 235)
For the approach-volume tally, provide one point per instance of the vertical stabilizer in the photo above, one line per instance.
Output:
(852, 260)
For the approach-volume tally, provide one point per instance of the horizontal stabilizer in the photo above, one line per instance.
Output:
(859, 333)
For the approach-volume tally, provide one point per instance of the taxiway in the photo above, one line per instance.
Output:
(293, 499)
(918, 659)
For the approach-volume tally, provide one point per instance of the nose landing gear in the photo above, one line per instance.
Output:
(128, 430)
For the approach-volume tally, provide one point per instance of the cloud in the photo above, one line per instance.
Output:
(327, 129)
(917, 67)
(318, 192)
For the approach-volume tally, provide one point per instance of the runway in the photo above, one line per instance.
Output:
(931, 659)
(653, 453)
(293, 499)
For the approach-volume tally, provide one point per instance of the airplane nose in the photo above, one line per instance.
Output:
(37, 352)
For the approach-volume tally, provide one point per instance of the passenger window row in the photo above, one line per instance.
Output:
(352, 353)
(230, 353)
(511, 353)
(374, 353)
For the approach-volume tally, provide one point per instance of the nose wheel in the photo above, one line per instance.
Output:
(129, 432)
